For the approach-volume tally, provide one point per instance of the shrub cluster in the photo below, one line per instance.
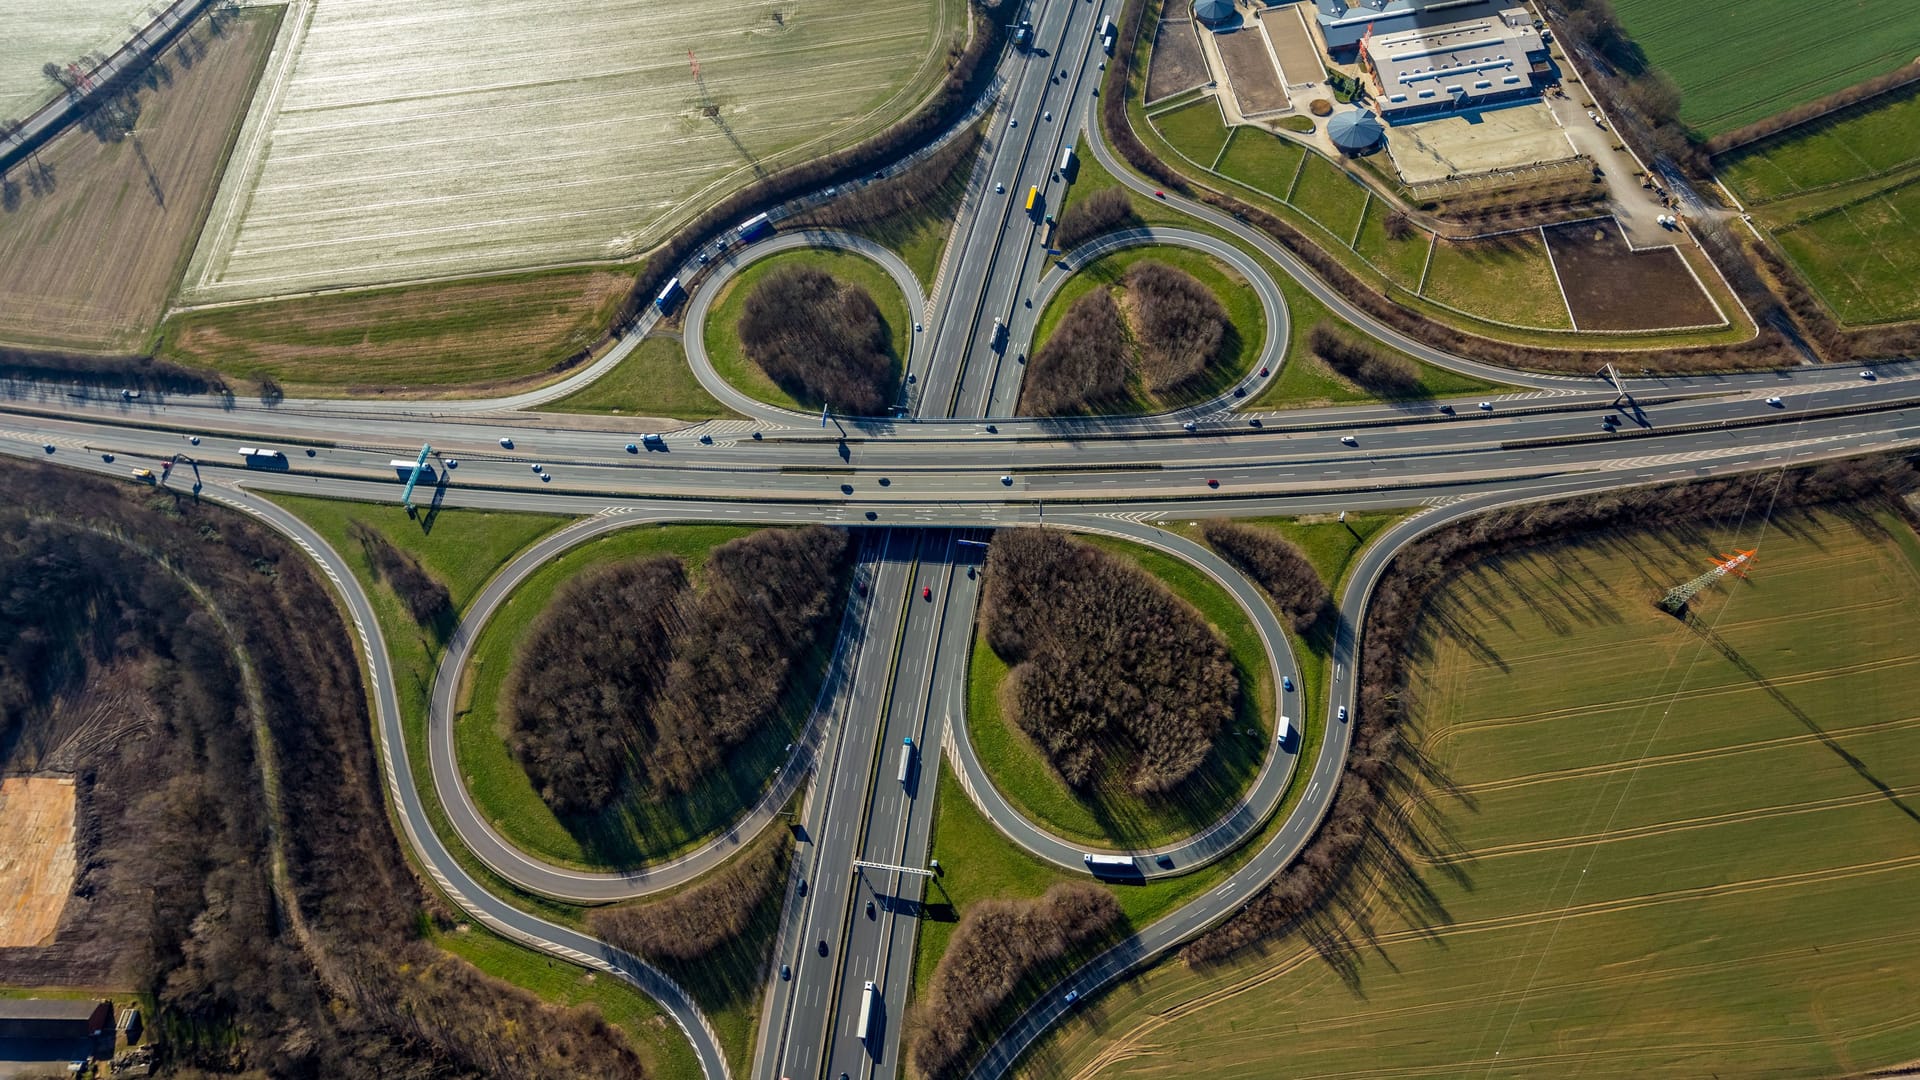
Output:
(691, 925)
(1399, 599)
(1101, 212)
(1369, 365)
(1112, 675)
(427, 600)
(629, 672)
(997, 946)
(595, 660)
(1179, 325)
(1277, 566)
(1083, 365)
(819, 340)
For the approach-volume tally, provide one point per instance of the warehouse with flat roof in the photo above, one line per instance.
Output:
(1458, 66)
(1344, 22)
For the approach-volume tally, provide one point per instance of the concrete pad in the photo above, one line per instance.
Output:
(1482, 141)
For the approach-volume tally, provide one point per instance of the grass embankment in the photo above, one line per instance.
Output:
(662, 1049)
(463, 549)
(723, 338)
(1632, 831)
(96, 231)
(653, 381)
(1303, 381)
(1114, 818)
(1239, 350)
(484, 333)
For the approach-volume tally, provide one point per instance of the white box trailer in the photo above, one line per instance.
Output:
(868, 994)
(906, 760)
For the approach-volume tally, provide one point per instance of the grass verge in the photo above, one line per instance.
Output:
(653, 381)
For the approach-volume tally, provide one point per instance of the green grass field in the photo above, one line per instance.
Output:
(723, 339)
(1263, 162)
(480, 332)
(1196, 130)
(1737, 61)
(1640, 847)
(1864, 257)
(1118, 819)
(1508, 278)
(1330, 197)
(1241, 348)
(1402, 261)
(643, 826)
(653, 380)
(1868, 139)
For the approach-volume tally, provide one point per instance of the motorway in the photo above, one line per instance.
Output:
(925, 490)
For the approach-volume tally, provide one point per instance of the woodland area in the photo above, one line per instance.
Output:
(1118, 681)
(1382, 768)
(1163, 333)
(820, 340)
(633, 677)
(167, 654)
(1275, 565)
(998, 944)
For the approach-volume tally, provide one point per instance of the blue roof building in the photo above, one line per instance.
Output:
(1344, 22)
(1356, 131)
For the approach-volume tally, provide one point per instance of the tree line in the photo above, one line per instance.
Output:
(426, 599)
(693, 924)
(1277, 566)
(933, 181)
(325, 974)
(1102, 212)
(821, 340)
(1083, 365)
(1178, 325)
(999, 946)
(630, 676)
(1376, 772)
(1117, 680)
(1368, 365)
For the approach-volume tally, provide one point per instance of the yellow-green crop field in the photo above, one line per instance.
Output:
(446, 137)
(1637, 847)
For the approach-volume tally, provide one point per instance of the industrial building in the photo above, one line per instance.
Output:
(38, 1034)
(1344, 22)
(1457, 66)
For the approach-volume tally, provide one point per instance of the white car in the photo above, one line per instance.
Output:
(1349, 440)
(194, 439)
(1190, 426)
(1867, 374)
(453, 463)
(535, 468)
(1342, 714)
(999, 189)
(1487, 406)
(1013, 121)
(1776, 402)
(1007, 480)
(506, 443)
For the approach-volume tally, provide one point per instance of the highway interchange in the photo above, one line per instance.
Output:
(924, 490)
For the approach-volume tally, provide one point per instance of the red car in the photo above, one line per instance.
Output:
(1212, 483)
(926, 593)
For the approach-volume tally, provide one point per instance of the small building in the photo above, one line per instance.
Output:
(1356, 132)
(1426, 71)
(1344, 22)
(1214, 12)
(52, 1018)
